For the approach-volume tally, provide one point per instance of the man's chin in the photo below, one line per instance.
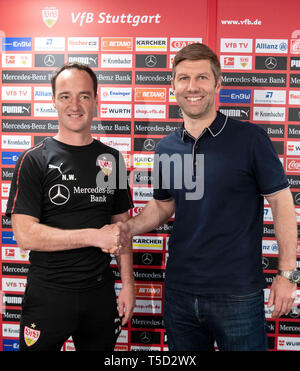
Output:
(195, 115)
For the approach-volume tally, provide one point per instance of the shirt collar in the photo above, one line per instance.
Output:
(214, 128)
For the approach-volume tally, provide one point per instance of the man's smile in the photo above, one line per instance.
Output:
(194, 99)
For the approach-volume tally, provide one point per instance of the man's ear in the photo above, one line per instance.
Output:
(53, 101)
(96, 99)
(218, 85)
(173, 84)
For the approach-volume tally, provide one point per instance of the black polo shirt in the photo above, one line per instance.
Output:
(216, 242)
(67, 187)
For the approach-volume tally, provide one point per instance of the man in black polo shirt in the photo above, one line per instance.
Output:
(214, 173)
(66, 192)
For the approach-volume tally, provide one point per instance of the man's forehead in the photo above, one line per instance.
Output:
(71, 72)
(194, 65)
(74, 78)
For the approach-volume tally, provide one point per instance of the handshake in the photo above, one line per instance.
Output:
(115, 238)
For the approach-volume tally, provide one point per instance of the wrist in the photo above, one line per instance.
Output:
(130, 223)
(128, 282)
(292, 275)
(89, 236)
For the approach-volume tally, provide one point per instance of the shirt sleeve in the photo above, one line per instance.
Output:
(268, 169)
(160, 191)
(25, 195)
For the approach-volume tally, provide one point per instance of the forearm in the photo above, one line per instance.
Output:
(126, 298)
(43, 238)
(286, 235)
(125, 266)
(282, 292)
(153, 215)
(286, 232)
(33, 235)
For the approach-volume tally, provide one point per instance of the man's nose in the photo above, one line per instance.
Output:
(193, 86)
(75, 102)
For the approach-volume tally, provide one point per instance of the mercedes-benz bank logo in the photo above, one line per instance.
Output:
(180, 112)
(49, 60)
(265, 262)
(271, 63)
(147, 258)
(150, 61)
(297, 198)
(145, 337)
(59, 194)
(295, 312)
(149, 144)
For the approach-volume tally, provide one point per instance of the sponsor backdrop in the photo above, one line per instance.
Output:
(131, 46)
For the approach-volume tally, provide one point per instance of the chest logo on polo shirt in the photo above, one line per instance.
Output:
(105, 165)
(59, 194)
(59, 169)
(50, 166)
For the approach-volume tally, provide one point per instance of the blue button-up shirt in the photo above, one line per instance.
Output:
(218, 188)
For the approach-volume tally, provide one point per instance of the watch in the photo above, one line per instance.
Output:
(292, 276)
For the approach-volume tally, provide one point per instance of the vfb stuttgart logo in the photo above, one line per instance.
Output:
(31, 335)
(50, 16)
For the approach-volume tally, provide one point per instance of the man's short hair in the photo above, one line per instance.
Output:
(78, 66)
(198, 51)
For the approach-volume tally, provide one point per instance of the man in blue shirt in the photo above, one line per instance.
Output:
(214, 173)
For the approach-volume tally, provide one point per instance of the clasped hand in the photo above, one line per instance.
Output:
(116, 238)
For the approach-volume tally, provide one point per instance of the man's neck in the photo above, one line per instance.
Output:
(74, 139)
(195, 127)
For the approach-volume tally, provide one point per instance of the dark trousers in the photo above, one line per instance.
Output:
(50, 316)
(195, 323)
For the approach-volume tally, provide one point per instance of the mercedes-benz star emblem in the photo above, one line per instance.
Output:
(150, 61)
(271, 63)
(149, 144)
(49, 60)
(147, 258)
(145, 337)
(59, 194)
